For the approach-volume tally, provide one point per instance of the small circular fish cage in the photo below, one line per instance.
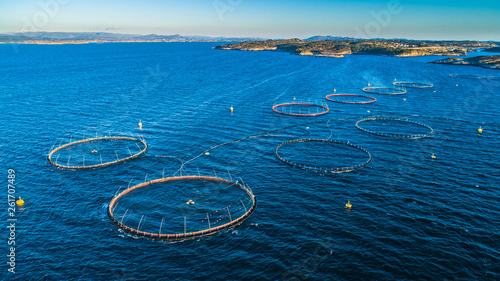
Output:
(301, 109)
(384, 90)
(319, 168)
(394, 123)
(97, 152)
(370, 99)
(468, 76)
(182, 208)
(412, 85)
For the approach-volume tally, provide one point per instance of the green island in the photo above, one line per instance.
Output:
(339, 48)
(482, 61)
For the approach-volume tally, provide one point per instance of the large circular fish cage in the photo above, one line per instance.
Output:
(412, 85)
(397, 136)
(345, 169)
(139, 149)
(209, 226)
(384, 91)
(370, 99)
(281, 109)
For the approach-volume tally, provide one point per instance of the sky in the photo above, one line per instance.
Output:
(273, 19)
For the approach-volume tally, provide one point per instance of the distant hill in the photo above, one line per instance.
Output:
(101, 37)
(328, 38)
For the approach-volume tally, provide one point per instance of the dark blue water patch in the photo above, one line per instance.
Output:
(413, 217)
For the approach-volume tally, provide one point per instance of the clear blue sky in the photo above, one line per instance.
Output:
(417, 19)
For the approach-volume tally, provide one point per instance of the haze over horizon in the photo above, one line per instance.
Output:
(425, 20)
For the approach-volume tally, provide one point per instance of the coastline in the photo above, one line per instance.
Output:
(378, 47)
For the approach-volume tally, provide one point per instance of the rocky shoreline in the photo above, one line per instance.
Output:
(492, 62)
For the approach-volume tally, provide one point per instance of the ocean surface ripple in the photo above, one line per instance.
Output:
(413, 217)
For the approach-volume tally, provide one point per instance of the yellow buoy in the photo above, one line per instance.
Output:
(20, 202)
(348, 205)
(140, 125)
(368, 84)
(334, 90)
(404, 99)
(480, 130)
(457, 85)
(307, 128)
(231, 109)
(368, 111)
(433, 157)
(206, 153)
(394, 79)
(293, 98)
(434, 91)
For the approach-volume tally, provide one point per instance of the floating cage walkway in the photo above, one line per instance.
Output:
(384, 90)
(467, 76)
(100, 165)
(324, 109)
(397, 136)
(412, 85)
(185, 235)
(324, 169)
(372, 99)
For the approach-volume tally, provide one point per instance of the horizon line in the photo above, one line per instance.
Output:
(246, 37)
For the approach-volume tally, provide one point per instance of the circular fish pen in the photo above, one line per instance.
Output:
(97, 152)
(301, 109)
(467, 76)
(348, 149)
(384, 90)
(409, 129)
(412, 85)
(370, 99)
(181, 208)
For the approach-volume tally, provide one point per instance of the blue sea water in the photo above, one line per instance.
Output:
(413, 217)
